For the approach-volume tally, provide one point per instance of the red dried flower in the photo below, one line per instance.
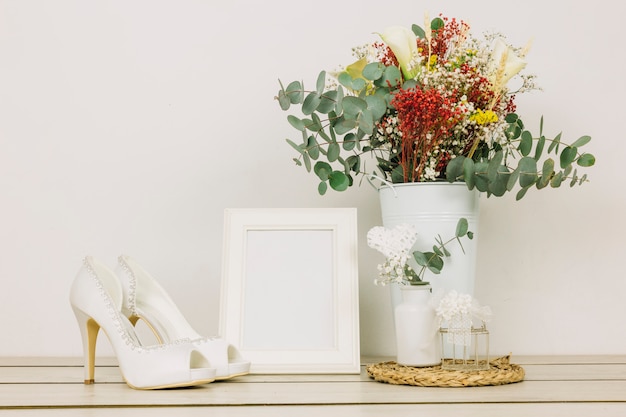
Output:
(425, 118)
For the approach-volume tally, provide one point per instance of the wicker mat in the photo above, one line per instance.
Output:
(500, 372)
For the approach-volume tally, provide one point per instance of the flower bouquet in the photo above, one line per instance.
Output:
(430, 103)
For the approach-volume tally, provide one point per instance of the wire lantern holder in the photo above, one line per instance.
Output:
(465, 349)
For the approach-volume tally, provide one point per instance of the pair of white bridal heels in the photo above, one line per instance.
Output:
(102, 300)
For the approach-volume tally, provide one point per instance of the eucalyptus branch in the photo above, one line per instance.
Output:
(433, 261)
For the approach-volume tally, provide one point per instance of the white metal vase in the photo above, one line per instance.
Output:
(417, 330)
(434, 208)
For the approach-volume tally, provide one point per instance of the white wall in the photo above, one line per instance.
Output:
(128, 126)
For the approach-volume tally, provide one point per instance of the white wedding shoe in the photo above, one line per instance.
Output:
(145, 299)
(96, 298)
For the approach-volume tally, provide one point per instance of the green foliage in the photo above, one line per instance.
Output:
(495, 172)
(338, 123)
(434, 261)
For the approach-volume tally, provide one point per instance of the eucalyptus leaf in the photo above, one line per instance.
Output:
(296, 122)
(365, 121)
(345, 79)
(541, 142)
(547, 171)
(354, 162)
(333, 152)
(321, 83)
(338, 103)
(435, 262)
(548, 168)
(420, 258)
(377, 105)
(373, 71)
(397, 175)
(526, 143)
(307, 161)
(468, 173)
(461, 227)
(322, 170)
(353, 105)
(498, 186)
(511, 118)
(437, 23)
(554, 145)
(311, 102)
(568, 155)
(391, 76)
(527, 171)
(295, 92)
(283, 100)
(494, 166)
(481, 182)
(313, 148)
(556, 181)
(358, 84)
(315, 124)
(327, 102)
(324, 136)
(512, 180)
(322, 187)
(418, 31)
(521, 193)
(343, 126)
(349, 142)
(454, 170)
(339, 181)
(296, 147)
(583, 140)
(480, 177)
(586, 160)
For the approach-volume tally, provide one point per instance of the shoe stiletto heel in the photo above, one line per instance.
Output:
(145, 299)
(96, 298)
(89, 332)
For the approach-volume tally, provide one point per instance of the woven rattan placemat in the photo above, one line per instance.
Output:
(500, 372)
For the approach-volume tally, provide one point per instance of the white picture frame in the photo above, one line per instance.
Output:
(289, 295)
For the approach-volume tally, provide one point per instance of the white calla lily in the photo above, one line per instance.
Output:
(403, 43)
(505, 63)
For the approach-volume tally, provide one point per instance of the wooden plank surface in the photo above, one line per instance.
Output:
(422, 410)
(223, 393)
(111, 374)
(568, 386)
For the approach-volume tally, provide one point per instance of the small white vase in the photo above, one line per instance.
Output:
(417, 332)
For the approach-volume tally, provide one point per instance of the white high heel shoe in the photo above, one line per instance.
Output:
(145, 299)
(96, 298)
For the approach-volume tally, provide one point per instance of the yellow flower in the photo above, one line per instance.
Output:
(433, 61)
(484, 117)
(356, 69)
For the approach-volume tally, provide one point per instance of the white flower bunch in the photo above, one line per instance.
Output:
(395, 244)
(458, 312)
(461, 308)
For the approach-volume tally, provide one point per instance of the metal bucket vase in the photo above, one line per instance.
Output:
(434, 208)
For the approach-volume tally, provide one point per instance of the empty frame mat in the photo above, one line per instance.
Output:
(289, 297)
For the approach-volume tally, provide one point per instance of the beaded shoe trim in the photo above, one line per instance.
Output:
(115, 316)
